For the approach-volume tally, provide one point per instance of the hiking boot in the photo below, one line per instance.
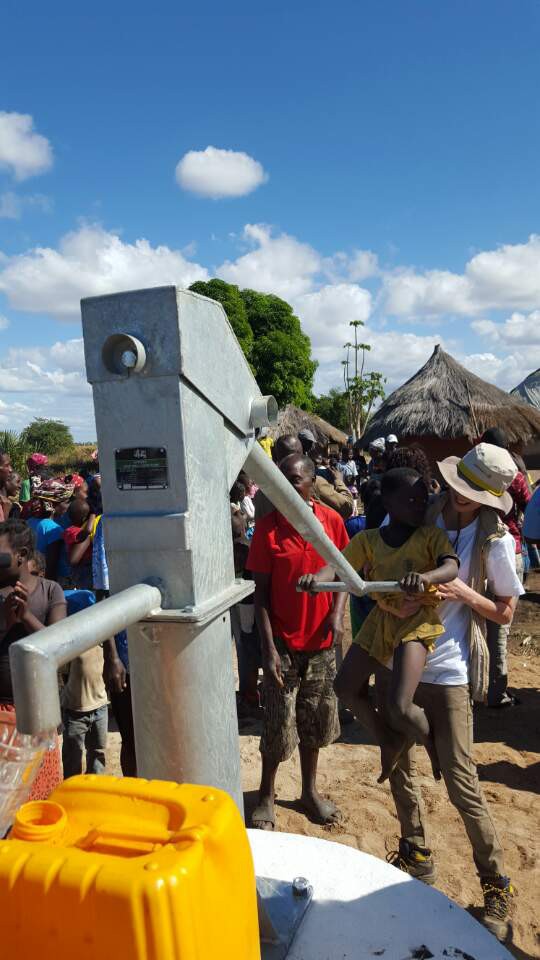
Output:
(498, 893)
(415, 860)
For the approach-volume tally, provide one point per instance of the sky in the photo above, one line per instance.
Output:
(365, 161)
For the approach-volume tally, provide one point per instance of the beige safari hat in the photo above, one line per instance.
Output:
(483, 475)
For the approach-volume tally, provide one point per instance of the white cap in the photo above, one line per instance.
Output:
(379, 444)
(392, 438)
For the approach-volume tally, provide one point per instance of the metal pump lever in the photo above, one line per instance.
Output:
(278, 490)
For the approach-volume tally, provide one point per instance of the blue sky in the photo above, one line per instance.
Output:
(395, 146)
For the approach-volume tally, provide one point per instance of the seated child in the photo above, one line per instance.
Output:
(84, 703)
(419, 557)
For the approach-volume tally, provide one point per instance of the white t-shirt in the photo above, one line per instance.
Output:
(449, 662)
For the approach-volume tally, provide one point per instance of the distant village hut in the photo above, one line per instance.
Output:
(291, 420)
(445, 408)
(529, 391)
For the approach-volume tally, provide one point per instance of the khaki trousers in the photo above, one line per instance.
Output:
(449, 712)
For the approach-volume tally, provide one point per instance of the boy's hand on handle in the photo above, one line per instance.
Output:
(307, 582)
(413, 583)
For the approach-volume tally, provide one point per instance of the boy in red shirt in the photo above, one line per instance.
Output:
(78, 540)
(298, 634)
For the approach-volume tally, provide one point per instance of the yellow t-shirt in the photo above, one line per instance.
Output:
(382, 632)
(267, 443)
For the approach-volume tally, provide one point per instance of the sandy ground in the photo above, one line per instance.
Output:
(507, 752)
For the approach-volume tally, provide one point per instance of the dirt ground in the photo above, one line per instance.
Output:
(507, 752)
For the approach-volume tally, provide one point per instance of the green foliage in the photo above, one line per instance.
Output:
(272, 340)
(334, 408)
(285, 368)
(17, 449)
(47, 436)
(229, 296)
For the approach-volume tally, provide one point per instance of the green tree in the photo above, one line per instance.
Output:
(284, 367)
(47, 436)
(272, 340)
(229, 296)
(281, 352)
(18, 451)
(334, 408)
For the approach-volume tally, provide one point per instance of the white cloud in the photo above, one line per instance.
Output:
(436, 292)
(516, 329)
(507, 370)
(396, 355)
(12, 204)
(280, 265)
(42, 369)
(4, 322)
(325, 314)
(219, 173)
(354, 267)
(505, 278)
(88, 262)
(23, 152)
(47, 382)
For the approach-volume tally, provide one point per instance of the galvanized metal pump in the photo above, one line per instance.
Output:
(177, 408)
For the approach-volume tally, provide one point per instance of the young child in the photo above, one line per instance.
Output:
(84, 703)
(244, 628)
(78, 540)
(419, 557)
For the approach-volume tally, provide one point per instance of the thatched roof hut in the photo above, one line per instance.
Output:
(292, 420)
(529, 389)
(445, 408)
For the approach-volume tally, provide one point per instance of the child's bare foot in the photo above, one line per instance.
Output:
(391, 750)
(263, 817)
(320, 810)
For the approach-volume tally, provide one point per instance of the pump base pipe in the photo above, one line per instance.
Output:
(36, 659)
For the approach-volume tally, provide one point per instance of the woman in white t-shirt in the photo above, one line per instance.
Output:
(487, 588)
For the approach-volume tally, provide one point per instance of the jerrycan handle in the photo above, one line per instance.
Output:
(130, 840)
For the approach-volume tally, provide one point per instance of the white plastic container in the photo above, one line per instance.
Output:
(20, 759)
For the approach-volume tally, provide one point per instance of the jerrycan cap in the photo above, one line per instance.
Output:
(39, 821)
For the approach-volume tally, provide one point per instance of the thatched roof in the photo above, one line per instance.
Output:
(292, 419)
(529, 389)
(445, 400)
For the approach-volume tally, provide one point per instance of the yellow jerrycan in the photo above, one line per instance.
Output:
(128, 869)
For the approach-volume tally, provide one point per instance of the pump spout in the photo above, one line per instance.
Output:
(272, 482)
(35, 660)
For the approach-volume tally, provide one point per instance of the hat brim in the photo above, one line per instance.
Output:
(449, 472)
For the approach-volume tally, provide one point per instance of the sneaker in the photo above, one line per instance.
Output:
(498, 893)
(415, 860)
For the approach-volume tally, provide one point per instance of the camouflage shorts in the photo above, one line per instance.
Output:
(305, 709)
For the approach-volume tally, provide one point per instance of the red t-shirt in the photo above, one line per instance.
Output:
(277, 549)
(70, 539)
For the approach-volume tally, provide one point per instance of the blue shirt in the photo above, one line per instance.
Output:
(78, 600)
(355, 525)
(100, 569)
(46, 533)
(531, 524)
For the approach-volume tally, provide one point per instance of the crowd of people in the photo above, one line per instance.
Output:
(454, 543)
(52, 565)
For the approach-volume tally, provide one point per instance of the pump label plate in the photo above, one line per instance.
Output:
(141, 468)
